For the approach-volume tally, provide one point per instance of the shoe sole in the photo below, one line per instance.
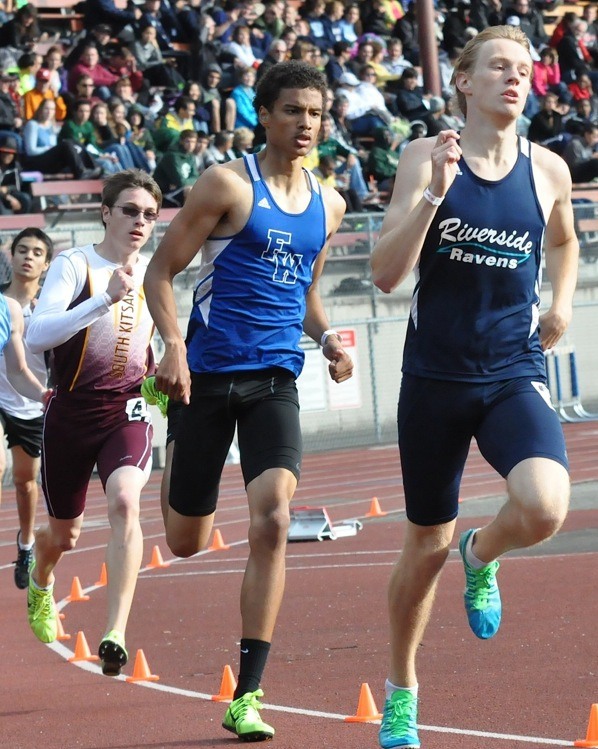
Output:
(22, 583)
(253, 736)
(113, 657)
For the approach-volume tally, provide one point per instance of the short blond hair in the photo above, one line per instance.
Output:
(469, 56)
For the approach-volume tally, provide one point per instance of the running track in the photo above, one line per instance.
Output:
(530, 687)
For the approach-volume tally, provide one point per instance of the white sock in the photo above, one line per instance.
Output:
(26, 547)
(470, 557)
(392, 688)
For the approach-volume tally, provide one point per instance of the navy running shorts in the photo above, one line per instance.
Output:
(264, 407)
(511, 420)
(81, 430)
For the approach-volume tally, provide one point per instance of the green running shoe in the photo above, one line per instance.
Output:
(113, 653)
(153, 396)
(243, 718)
(398, 728)
(481, 597)
(41, 610)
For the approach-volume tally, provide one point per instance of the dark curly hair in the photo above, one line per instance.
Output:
(291, 74)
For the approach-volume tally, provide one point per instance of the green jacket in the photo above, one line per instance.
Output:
(176, 169)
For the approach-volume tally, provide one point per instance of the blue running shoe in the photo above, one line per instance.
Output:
(482, 597)
(399, 722)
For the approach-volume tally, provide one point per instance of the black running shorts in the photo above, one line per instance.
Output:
(264, 407)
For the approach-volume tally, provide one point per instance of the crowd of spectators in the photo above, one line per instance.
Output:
(168, 86)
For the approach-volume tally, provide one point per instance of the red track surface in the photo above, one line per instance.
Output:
(529, 687)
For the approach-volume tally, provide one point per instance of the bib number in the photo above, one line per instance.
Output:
(137, 410)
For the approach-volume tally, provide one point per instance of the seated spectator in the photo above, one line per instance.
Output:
(579, 116)
(142, 136)
(326, 175)
(383, 159)
(204, 113)
(99, 36)
(346, 161)
(580, 155)
(574, 59)
(547, 74)
(364, 56)
(331, 23)
(28, 64)
(240, 48)
(219, 151)
(455, 32)
(79, 128)
(243, 95)
(271, 20)
(89, 65)
(350, 24)
(530, 21)
(367, 108)
(395, 61)
(201, 159)
(12, 198)
(21, 32)
(243, 138)
(42, 152)
(84, 88)
(224, 111)
(117, 118)
(121, 62)
(176, 172)
(107, 140)
(410, 98)
(157, 69)
(178, 118)
(53, 61)
(581, 88)
(10, 119)
(312, 14)
(277, 52)
(40, 92)
(407, 30)
(548, 122)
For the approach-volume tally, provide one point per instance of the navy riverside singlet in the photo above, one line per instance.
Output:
(249, 300)
(475, 308)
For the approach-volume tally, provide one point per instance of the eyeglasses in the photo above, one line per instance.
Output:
(130, 212)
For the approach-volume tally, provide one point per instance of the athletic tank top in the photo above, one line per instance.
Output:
(113, 353)
(475, 307)
(249, 300)
(12, 401)
(5, 323)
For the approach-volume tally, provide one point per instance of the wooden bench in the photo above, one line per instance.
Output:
(60, 11)
(22, 221)
(49, 189)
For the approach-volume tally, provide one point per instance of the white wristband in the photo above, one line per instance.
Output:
(431, 198)
(327, 333)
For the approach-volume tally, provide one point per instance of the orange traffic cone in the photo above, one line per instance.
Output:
(62, 635)
(217, 542)
(103, 577)
(366, 707)
(77, 592)
(156, 561)
(141, 671)
(375, 511)
(82, 652)
(227, 686)
(591, 738)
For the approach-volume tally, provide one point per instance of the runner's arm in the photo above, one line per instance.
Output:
(52, 323)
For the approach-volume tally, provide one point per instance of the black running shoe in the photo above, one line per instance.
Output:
(113, 653)
(22, 563)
